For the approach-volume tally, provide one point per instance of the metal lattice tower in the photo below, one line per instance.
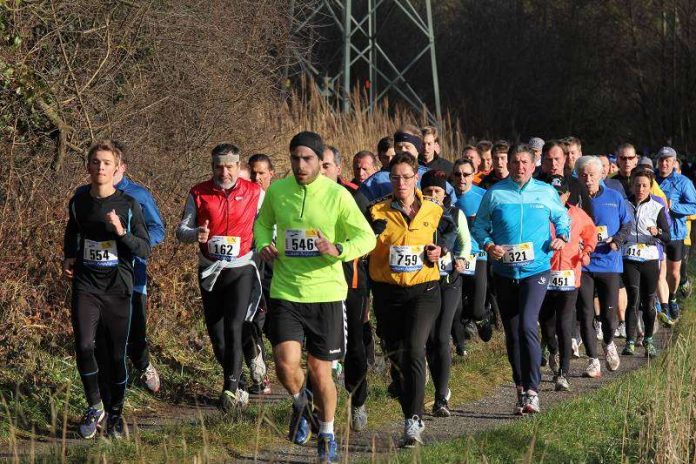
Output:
(362, 46)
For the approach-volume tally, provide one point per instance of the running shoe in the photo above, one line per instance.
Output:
(327, 448)
(685, 289)
(115, 426)
(300, 431)
(612, 356)
(553, 363)
(594, 371)
(91, 422)
(629, 349)
(575, 347)
(544, 355)
(441, 406)
(598, 329)
(230, 402)
(650, 350)
(521, 402)
(461, 351)
(674, 311)
(620, 331)
(413, 428)
(531, 404)
(664, 319)
(485, 330)
(358, 418)
(263, 388)
(257, 367)
(471, 330)
(151, 378)
(561, 382)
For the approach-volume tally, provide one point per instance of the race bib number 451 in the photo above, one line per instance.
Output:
(224, 248)
(563, 281)
(406, 258)
(301, 243)
(100, 254)
(519, 254)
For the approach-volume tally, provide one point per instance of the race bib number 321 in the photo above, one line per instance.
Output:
(519, 254)
(301, 243)
(100, 254)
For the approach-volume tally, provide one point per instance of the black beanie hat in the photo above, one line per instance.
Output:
(434, 178)
(311, 140)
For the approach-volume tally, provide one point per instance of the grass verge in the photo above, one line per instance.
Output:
(647, 416)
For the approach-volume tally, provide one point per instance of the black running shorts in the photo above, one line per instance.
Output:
(322, 326)
(675, 250)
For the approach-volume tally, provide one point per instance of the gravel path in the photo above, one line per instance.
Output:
(487, 413)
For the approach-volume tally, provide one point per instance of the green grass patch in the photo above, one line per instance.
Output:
(648, 415)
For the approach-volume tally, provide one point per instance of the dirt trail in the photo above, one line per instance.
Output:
(487, 413)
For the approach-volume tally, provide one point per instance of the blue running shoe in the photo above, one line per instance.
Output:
(327, 448)
(300, 432)
(91, 422)
(674, 310)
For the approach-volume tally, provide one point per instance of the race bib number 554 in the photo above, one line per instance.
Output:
(301, 243)
(100, 254)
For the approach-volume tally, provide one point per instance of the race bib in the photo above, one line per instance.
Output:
(563, 281)
(100, 254)
(406, 258)
(224, 248)
(469, 265)
(519, 254)
(446, 265)
(602, 233)
(301, 243)
(640, 252)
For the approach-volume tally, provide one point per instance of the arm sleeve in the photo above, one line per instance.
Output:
(481, 231)
(463, 244)
(588, 234)
(264, 224)
(626, 223)
(70, 238)
(663, 224)
(153, 220)
(137, 239)
(354, 226)
(187, 231)
(686, 206)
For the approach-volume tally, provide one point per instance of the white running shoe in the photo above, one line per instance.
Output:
(531, 405)
(598, 329)
(257, 367)
(620, 331)
(612, 356)
(593, 370)
(413, 428)
(575, 347)
(151, 378)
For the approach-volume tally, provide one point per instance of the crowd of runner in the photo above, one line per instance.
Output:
(563, 250)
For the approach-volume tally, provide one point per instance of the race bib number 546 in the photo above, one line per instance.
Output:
(301, 243)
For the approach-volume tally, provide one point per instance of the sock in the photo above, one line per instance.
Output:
(99, 406)
(662, 307)
(326, 427)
